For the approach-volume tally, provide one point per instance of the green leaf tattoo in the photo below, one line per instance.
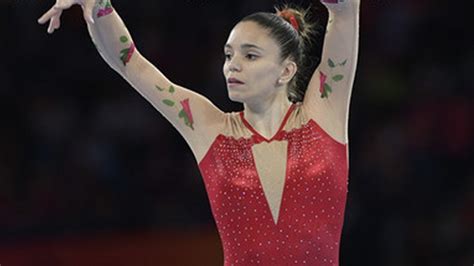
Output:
(184, 112)
(123, 39)
(171, 89)
(168, 102)
(338, 77)
(325, 87)
(331, 63)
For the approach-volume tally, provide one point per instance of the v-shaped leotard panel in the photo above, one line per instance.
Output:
(277, 201)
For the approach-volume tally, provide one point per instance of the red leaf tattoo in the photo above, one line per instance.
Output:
(127, 54)
(106, 8)
(322, 81)
(187, 111)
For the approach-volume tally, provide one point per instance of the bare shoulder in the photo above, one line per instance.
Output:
(205, 123)
(201, 141)
(328, 122)
(229, 125)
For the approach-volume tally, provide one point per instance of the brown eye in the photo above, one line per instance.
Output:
(251, 56)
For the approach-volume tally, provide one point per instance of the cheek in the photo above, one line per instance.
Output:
(224, 68)
(267, 74)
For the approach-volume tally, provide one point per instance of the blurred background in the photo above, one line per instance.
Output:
(92, 174)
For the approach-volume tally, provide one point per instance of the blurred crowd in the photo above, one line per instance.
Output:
(82, 152)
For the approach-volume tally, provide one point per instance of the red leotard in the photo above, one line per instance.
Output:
(305, 226)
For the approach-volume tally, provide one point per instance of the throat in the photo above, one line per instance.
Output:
(268, 123)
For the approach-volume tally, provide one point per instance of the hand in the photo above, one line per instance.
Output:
(54, 14)
(339, 5)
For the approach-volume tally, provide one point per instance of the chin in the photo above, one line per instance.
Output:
(235, 97)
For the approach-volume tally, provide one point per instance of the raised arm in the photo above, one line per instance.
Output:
(194, 116)
(329, 90)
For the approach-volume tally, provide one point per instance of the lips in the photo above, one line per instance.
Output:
(234, 81)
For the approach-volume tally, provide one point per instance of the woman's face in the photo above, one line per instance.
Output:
(253, 58)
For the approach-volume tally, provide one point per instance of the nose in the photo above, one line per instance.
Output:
(234, 65)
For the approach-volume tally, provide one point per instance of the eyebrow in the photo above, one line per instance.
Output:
(244, 46)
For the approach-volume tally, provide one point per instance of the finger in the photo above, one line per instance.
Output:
(50, 27)
(51, 12)
(57, 21)
(54, 23)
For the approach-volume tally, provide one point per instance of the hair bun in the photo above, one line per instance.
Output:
(296, 17)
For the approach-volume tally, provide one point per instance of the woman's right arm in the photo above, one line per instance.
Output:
(193, 115)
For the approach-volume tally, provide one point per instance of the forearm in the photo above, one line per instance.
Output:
(111, 37)
(340, 49)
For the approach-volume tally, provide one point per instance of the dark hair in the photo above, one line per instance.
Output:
(293, 41)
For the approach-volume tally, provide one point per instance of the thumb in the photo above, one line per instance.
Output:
(87, 11)
(63, 4)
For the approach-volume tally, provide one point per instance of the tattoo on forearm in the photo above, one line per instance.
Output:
(184, 111)
(326, 86)
(186, 114)
(105, 8)
(126, 54)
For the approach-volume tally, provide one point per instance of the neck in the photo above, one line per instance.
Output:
(266, 116)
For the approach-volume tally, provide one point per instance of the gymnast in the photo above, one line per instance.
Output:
(276, 173)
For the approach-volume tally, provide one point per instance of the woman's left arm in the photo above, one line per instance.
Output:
(329, 90)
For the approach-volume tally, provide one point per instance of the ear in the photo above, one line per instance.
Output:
(288, 72)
